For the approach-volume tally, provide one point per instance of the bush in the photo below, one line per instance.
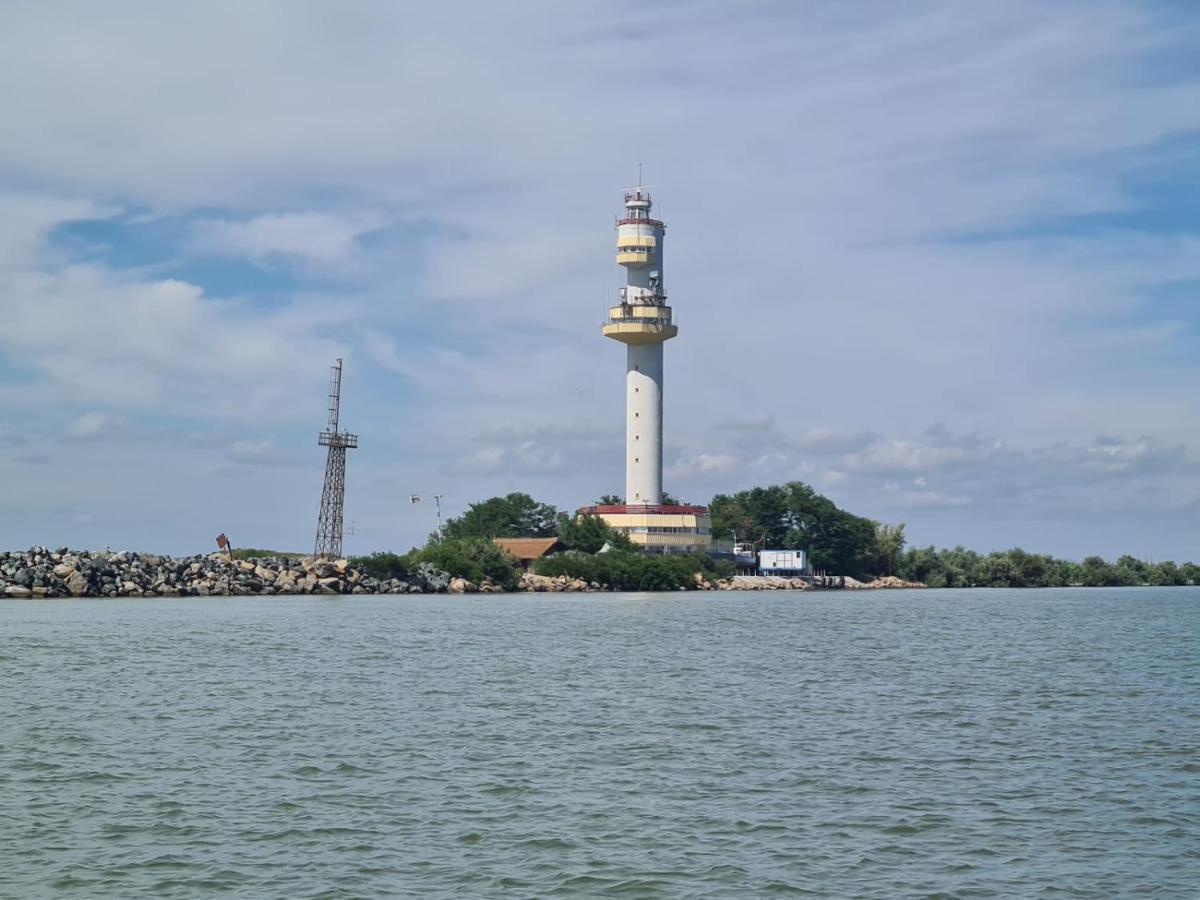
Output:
(624, 570)
(471, 558)
(382, 564)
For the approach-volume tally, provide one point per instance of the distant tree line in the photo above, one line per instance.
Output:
(1017, 568)
(791, 516)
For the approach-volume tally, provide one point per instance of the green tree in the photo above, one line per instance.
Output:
(995, 570)
(730, 519)
(1165, 573)
(1131, 570)
(588, 533)
(795, 517)
(889, 542)
(610, 500)
(514, 515)
(1096, 572)
(837, 541)
(759, 514)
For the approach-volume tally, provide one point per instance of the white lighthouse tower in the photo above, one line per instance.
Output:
(642, 322)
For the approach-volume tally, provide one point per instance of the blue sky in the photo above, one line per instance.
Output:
(938, 260)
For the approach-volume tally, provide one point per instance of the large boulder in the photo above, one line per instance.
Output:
(536, 583)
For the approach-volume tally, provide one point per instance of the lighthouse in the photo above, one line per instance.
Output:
(642, 321)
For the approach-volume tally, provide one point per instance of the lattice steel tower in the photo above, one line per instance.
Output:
(329, 521)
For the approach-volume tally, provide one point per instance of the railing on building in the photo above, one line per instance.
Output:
(638, 320)
(337, 439)
(639, 508)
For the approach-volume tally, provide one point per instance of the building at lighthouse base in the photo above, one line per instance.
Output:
(657, 528)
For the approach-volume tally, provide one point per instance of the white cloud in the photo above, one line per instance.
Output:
(262, 453)
(701, 464)
(832, 256)
(381, 349)
(313, 236)
(907, 498)
(834, 440)
(96, 335)
(755, 423)
(94, 425)
(535, 448)
(893, 456)
(525, 458)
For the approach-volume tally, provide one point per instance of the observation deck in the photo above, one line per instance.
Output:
(639, 324)
(337, 439)
(635, 249)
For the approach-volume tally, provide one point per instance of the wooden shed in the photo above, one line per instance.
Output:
(528, 549)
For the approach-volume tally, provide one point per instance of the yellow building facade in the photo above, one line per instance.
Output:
(659, 529)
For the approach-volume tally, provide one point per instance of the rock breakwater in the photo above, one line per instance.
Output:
(888, 582)
(40, 572)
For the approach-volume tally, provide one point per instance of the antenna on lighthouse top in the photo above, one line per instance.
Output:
(641, 191)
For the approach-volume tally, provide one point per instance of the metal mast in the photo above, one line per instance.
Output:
(329, 520)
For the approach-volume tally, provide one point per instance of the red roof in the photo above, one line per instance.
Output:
(635, 508)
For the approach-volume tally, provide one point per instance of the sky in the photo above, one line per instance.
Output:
(939, 260)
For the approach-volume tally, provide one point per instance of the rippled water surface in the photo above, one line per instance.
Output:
(731, 745)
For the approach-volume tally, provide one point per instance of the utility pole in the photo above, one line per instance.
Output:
(329, 520)
(437, 502)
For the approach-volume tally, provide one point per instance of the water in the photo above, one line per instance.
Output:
(947, 743)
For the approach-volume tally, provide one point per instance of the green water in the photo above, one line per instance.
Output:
(951, 743)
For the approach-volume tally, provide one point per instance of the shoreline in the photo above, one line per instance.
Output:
(43, 573)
